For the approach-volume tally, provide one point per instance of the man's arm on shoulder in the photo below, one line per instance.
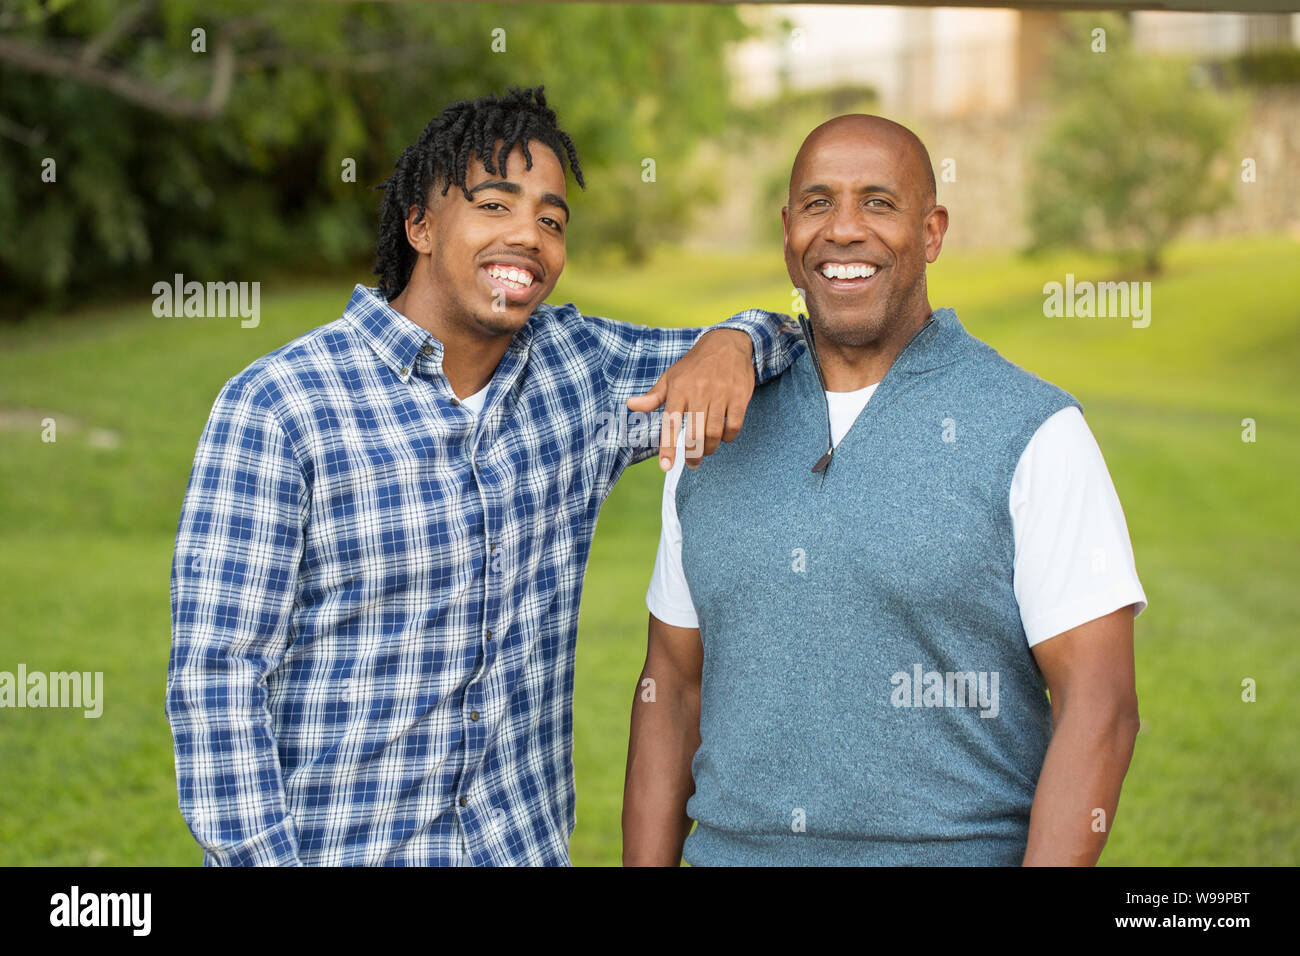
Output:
(695, 374)
(1090, 675)
(233, 586)
(665, 735)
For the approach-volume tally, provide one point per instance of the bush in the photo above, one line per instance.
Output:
(1136, 149)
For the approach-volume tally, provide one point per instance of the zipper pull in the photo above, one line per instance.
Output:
(823, 462)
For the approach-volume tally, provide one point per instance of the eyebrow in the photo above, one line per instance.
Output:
(505, 186)
(823, 188)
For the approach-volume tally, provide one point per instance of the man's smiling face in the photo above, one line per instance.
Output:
(496, 257)
(859, 228)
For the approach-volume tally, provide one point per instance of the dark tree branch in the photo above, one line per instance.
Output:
(21, 134)
(33, 59)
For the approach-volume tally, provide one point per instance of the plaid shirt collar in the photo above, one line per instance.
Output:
(400, 343)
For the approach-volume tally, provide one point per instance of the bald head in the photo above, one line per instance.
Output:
(871, 133)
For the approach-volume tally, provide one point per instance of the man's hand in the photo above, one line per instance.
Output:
(706, 391)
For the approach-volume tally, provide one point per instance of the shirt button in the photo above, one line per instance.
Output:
(428, 349)
(489, 635)
(405, 371)
(473, 715)
(463, 801)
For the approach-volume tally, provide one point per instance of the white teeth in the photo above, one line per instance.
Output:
(856, 270)
(519, 277)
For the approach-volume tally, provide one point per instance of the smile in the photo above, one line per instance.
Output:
(515, 282)
(511, 276)
(847, 276)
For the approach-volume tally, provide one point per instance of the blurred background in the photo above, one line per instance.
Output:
(237, 142)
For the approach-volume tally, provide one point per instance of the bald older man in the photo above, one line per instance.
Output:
(861, 604)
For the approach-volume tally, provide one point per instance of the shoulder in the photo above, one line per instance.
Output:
(550, 314)
(1063, 442)
(1005, 402)
(297, 374)
(550, 322)
(1015, 384)
(564, 332)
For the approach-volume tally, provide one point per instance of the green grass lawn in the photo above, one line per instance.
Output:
(87, 522)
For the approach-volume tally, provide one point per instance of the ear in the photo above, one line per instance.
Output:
(418, 233)
(791, 261)
(936, 225)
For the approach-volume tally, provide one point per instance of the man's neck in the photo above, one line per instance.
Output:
(470, 356)
(848, 368)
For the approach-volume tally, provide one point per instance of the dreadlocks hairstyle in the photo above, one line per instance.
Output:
(441, 156)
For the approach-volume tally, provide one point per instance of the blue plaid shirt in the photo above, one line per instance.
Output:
(375, 590)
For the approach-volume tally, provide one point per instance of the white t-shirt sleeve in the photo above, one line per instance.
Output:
(669, 596)
(1074, 562)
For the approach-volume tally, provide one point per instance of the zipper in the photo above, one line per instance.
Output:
(824, 461)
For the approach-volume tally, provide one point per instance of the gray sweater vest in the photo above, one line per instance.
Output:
(868, 693)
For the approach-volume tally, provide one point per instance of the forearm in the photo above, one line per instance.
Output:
(664, 737)
(775, 338)
(228, 775)
(234, 586)
(1078, 789)
(635, 356)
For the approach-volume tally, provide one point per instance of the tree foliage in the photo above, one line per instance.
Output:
(1135, 151)
(225, 162)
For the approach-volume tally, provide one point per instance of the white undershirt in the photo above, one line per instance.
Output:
(475, 402)
(1073, 559)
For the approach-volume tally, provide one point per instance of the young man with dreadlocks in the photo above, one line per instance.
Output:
(380, 554)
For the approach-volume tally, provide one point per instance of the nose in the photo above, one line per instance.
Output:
(524, 231)
(847, 224)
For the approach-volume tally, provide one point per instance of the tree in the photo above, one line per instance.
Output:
(139, 139)
(1136, 150)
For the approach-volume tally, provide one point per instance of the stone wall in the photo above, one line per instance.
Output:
(987, 201)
